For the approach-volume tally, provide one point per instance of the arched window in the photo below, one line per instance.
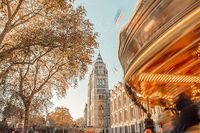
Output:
(103, 81)
(131, 113)
(113, 119)
(101, 108)
(134, 113)
(124, 98)
(100, 114)
(100, 82)
(125, 115)
(120, 117)
(119, 103)
(117, 118)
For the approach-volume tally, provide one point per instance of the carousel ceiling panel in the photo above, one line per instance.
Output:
(173, 58)
(187, 69)
(168, 78)
(174, 49)
(195, 70)
(177, 62)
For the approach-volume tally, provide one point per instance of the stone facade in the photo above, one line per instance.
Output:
(125, 116)
(98, 106)
(85, 115)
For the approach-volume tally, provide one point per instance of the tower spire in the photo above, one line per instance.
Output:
(99, 58)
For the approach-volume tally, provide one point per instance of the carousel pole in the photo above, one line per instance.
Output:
(148, 106)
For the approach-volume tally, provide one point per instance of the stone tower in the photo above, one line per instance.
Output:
(98, 108)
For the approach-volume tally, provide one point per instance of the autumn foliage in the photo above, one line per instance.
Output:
(60, 118)
(45, 46)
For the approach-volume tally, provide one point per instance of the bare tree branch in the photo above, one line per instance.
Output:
(16, 10)
(36, 75)
(8, 8)
(21, 20)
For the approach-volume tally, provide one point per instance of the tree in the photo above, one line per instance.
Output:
(80, 122)
(37, 120)
(12, 110)
(14, 113)
(15, 15)
(46, 55)
(60, 117)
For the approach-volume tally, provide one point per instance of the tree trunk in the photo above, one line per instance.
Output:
(26, 118)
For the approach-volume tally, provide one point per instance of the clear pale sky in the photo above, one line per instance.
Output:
(102, 14)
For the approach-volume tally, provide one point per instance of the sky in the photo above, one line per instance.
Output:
(102, 14)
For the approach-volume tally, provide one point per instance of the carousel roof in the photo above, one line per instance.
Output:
(160, 51)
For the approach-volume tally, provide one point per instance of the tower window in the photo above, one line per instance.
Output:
(100, 82)
(101, 107)
(103, 81)
(101, 97)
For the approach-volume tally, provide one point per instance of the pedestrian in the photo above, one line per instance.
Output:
(3, 126)
(160, 128)
(188, 116)
(167, 120)
(13, 129)
(149, 124)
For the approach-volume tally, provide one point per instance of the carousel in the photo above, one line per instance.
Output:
(159, 50)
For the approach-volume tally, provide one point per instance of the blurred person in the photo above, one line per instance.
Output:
(13, 129)
(167, 120)
(4, 126)
(149, 124)
(161, 128)
(188, 120)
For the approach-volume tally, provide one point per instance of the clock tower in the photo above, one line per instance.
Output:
(98, 109)
(100, 74)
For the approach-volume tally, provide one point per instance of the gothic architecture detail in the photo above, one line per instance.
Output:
(126, 117)
(98, 106)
